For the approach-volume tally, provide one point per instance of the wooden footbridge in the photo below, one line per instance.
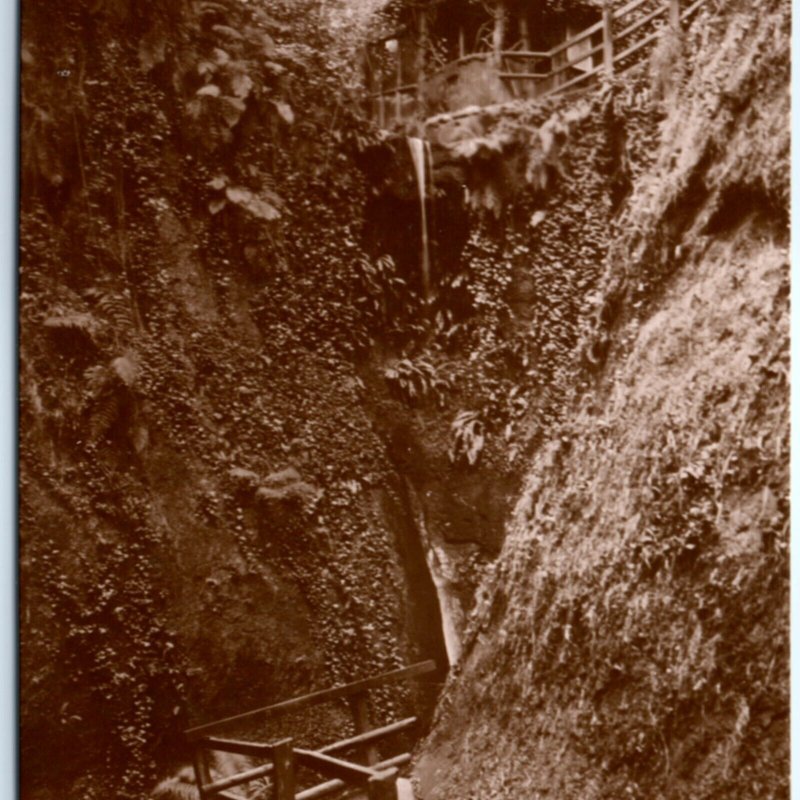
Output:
(614, 44)
(377, 779)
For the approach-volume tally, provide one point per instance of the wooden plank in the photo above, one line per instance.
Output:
(369, 736)
(284, 758)
(255, 749)
(639, 23)
(332, 767)
(383, 786)
(304, 701)
(329, 787)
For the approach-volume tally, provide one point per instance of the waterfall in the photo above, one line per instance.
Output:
(422, 158)
(443, 573)
(453, 620)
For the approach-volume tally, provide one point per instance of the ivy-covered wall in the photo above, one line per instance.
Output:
(631, 640)
(201, 526)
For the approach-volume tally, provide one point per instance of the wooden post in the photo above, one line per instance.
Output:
(608, 39)
(462, 46)
(382, 107)
(527, 66)
(383, 786)
(398, 98)
(675, 14)
(359, 705)
(422, 51)
(499, 32)
(524, 31)
(283, 756)
(202, 774)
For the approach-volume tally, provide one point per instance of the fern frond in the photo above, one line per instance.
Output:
(104, 414)
(116, 308)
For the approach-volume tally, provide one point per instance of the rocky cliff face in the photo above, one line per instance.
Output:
(209, 520)
(257, 460)
(632, 638)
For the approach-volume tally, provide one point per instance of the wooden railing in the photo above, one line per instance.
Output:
(377, 777)
(544, 74)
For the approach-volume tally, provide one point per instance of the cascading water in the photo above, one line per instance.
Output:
(422, 158)
(443, 574)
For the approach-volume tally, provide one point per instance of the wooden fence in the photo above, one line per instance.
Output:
(377, 777)
(542, 74)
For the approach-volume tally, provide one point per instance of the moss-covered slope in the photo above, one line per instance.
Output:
(632, 639)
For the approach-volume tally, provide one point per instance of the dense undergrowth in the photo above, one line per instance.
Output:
(195, 461)
(632, 638)
(240, 415)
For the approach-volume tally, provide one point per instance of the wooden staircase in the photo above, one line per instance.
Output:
(624, 35)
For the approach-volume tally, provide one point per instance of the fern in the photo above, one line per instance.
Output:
(116, 308)
(104, 413)
(107, 386)
(78, 322)
(382, 290)
(417, 381)
(469, 435)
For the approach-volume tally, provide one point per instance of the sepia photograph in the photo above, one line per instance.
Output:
(403, 402)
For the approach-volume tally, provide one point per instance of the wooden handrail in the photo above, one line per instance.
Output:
(579, 37)
(524, 75)
(576, 80)
(314, 698)
(255, 749)
(378, 778)
(583, 57)
(525, 54)
(265, 750)
(626, 9)
(611, 58)
(637, 46)
(369, 736)
(669, 7)
(640, 22)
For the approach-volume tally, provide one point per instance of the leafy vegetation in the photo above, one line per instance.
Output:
(231, 400)
(417, 381)
(634, 630)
